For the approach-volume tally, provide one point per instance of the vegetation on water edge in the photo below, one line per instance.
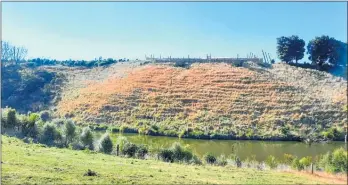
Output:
(38, 164)
(64, 133)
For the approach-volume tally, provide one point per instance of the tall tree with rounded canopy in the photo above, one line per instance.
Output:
(290, 48)
(297, 48)
(283, 49)
(323, 49)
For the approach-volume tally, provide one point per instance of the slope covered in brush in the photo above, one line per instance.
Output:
(207, 100)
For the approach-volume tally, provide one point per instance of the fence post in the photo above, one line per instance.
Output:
(117, 149)
(312, 168)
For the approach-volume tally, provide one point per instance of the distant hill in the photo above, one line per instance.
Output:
(214, 100)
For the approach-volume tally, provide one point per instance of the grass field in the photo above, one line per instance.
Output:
(37, 164)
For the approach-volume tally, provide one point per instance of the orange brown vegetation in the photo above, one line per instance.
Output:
(203, 93)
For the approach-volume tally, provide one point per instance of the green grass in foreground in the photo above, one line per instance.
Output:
(33, 163)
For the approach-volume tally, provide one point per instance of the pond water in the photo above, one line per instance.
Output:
(259, 149)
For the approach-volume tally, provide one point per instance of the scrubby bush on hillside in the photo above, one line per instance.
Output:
(179, 153)
(10, 118)
(51, 135)
(105, 144)
(142, 150)
(59, 122)
(209, 158)
(332, 133)
(69, 131)
(129, 149)
(87, 138)
(28, 125)
(166, 155)
(45, 116)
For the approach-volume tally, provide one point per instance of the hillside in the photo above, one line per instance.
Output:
(36, 164)
(29, 89)
(207, 99)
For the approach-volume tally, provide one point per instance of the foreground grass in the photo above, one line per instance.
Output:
(33, 163)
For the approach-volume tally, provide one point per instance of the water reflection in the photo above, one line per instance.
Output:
(244, 149)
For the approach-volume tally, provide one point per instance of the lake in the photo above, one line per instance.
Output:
(260, 149)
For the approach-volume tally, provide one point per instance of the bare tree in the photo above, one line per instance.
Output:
(10, 53)
(19, 53)
(6, 52)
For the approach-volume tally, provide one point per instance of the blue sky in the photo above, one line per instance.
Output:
(131, 30)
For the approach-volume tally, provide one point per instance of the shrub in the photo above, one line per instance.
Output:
(58, 122)
(45, 116)
(340, 160)
(90, 173)
(29, 126)
(197, 134)
(76, 145)
(209, 158)
(288, 158)
(271, 162)
(195, 160)
(11, 118)
(105, 144)
(129, 149)
(115, 129)
(87, 138)
(141, 151)
(222, 161)
(180, 153)
(50, 134)
(166, 155)
(101, 127)
(69, 131)
(331, 133)
(306, 161)
(334, 162)
(296, 164)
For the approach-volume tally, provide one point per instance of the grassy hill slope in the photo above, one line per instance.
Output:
(212, 99)
(36, 164)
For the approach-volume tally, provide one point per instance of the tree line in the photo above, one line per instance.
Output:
(324, 52)
(14, 55)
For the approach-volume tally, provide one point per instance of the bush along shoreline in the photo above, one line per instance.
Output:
(63, 133)
(332, 134)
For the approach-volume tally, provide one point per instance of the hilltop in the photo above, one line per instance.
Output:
(207, 100)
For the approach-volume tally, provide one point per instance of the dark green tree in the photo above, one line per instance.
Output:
(323, 50)
(290, 48)
(297, 48)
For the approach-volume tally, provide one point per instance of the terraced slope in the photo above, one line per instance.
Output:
(214, 99)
